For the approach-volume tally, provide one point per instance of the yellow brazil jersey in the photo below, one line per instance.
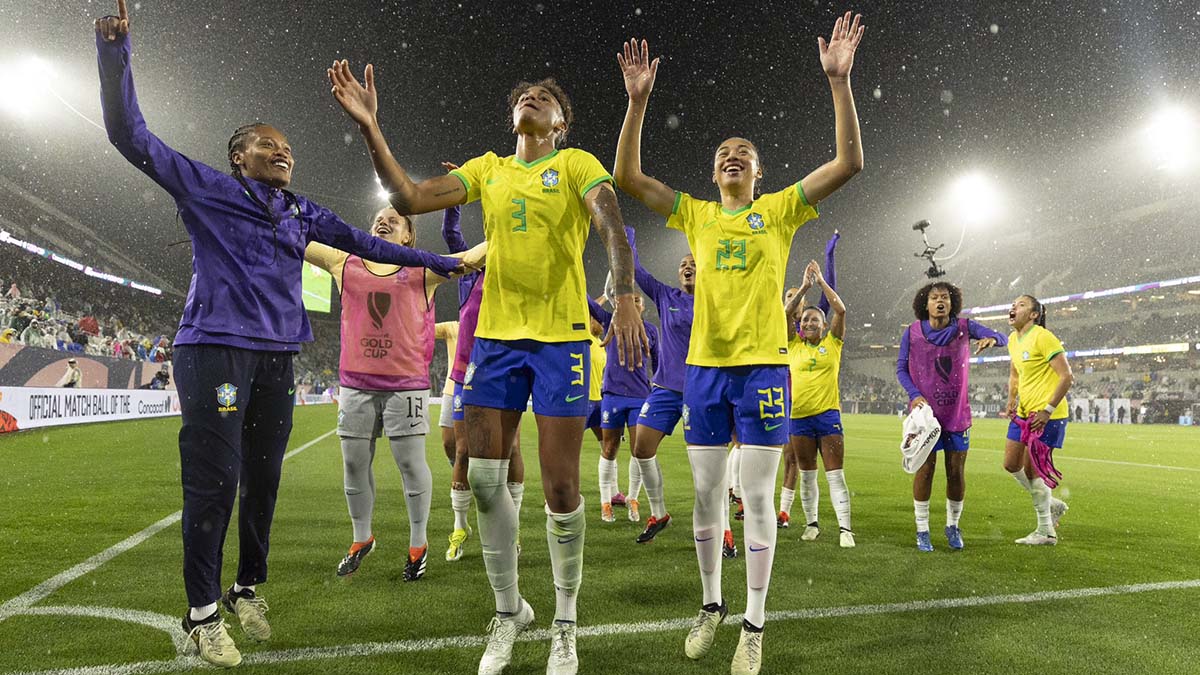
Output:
(599, 359)
(1036, 379)
(814, 371)
(741, 257)
(536, 225)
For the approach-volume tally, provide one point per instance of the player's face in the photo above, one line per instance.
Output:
(687, 273)
(938, 303)
(538, 113)
(812, 324)
(1021, 313)
(736, 164)
(391, 226)
(266, 157)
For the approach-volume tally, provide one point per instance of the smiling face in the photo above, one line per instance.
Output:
(537, 112)
(391, 226)
(264, 155)
(687, 274)
(812, 324)
(735, 165)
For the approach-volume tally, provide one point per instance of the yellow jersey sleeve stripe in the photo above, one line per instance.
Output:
(466, 183)
(675, 206)
(1051, 357)
(804, 198)
(588, 188)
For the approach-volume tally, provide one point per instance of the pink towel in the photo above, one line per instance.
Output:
(1041, 456)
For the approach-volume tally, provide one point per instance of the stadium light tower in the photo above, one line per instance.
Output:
(976, 199)
(26, 86)
(1171, 139)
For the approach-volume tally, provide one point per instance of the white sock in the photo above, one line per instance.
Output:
(198, 613)
(652, 477)
(810, 495)
(761, 466)
(953, 512)
(565, 534)
(786, 497)
(1022, 480)
(734, 470)
(921, 509)
(710, 515)
(608, 479)
(460, 502)
(517, 492)
(409, 453)
(1041, 504)
(497, 529)
(839, 494)
(635, 479)
(359, 483)
(238, 588)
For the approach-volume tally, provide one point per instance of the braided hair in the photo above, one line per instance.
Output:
(1039, 308)
(237, 143)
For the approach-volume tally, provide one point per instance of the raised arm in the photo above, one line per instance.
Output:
(796, 302)
(837, 59)
(639, 72)
(653, 287)
(331, 230)
(986, 336)
(626, 326)
(452, 231)
(406, 196)
(837, 308)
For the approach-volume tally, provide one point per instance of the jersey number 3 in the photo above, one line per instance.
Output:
(519, 214)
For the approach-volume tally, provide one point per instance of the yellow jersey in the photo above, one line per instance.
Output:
(814, 370)
(741, 258)
(599, 360)
(1036, 379)
(536, 225)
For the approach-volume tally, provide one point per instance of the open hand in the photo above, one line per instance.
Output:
(637, 68)
(983, 344)
(360, 102)
(837, 56)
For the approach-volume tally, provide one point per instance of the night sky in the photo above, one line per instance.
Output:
(1048, 103)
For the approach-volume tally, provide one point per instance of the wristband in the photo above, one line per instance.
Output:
(1050, 408)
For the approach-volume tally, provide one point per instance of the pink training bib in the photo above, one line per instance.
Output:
(387, 329)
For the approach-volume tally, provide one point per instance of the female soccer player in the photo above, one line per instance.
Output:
(737, 358)
(623, 393)
(933, 369)
(387, 335)
(815, 359)
(242, 323)
(532, 335)
(1039, 380)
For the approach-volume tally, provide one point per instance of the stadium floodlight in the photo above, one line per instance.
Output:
(1171, 139)
(26, 86)
(976, 199)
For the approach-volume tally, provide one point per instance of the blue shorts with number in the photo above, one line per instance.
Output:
(618, 412)
(503, 373)
(828, 423)
(751, 399)
(457, 411)
(662, 410)
(1052, 435)
(953, 441)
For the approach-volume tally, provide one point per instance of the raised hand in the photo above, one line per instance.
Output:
(812, 274)
(837, 56)
(449, 166)
(360, 102)
(630, 332)
(637, 68)
(113, 27)
(984, 344)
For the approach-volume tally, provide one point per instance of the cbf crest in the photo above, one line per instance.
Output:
(470, 374)
(226, 398)
(550, 178)
(687, 417)
(756, 222)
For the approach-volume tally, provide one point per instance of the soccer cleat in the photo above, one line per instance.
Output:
(211, 639)
(747, 660)
(414, 568)
(563, 659)
(455, 552)
(741, 510)
(954, 537)
(251, 612)
(846, 538)
(358, 551)
(704, 630)
(1058, 509)
(606, 513)
(653, 527)
(811, 532)
(618, 499)
(634, 515)
(783, 522)
(728, 547)
(502, 632)
(1037, 538)
(923, 542)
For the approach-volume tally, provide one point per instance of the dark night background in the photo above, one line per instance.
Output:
(1050, 102)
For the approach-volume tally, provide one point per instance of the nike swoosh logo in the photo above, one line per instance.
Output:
(673, 309)
(772, 427)
(567, 541)
(758, 550)
(291, 391)
(413, 424)
(491, 180)
(698, 539)
(708, 224)
(572, 399)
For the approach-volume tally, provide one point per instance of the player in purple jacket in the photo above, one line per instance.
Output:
(932, 367)
(242, 323)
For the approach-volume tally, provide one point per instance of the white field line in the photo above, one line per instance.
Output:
(41, 591)
(1068, 459)
(362, 650)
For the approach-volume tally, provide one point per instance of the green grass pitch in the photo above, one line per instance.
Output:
(67, 494)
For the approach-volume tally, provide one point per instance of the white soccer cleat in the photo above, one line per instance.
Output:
(502, 633)
(704, 631)
(1036, 538)
(846, 539)
(213, 643)
(1058, 509)
(563, 659)
(747, 660)
(632, 506)
(811, 532)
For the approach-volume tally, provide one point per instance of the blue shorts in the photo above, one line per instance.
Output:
(1052, 435)
(753, 400)
(828, 423)
(457, 410)
(618, 412)
(593, 419)
(953, 441)
(662, 410)
(503, 373)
